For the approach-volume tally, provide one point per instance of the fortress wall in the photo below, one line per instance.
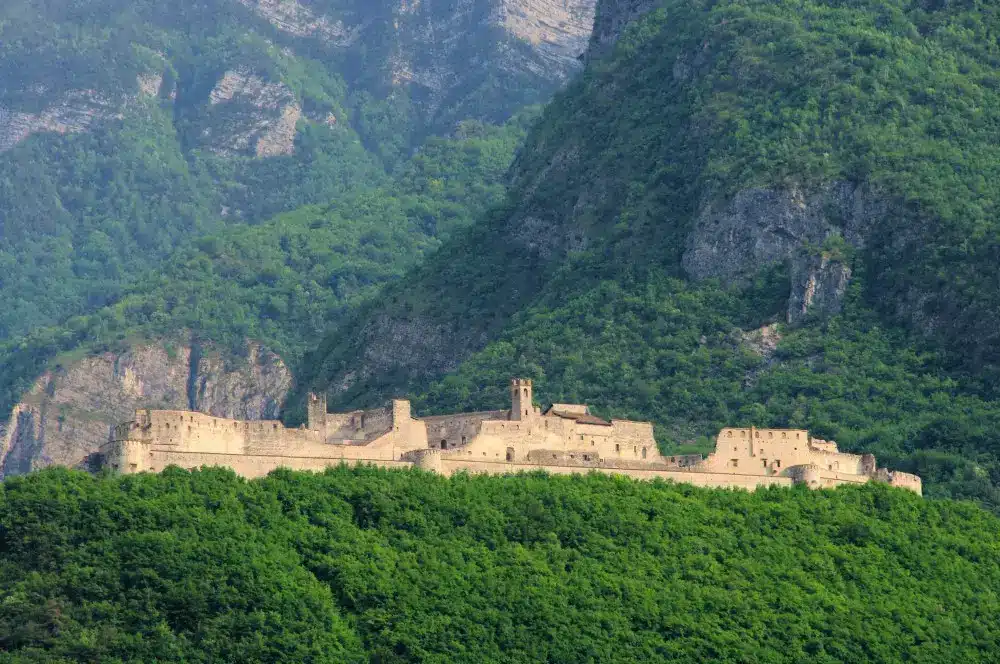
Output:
(183, 429)
(254, 465)
(774, 450)
(270, 440)
(452, 465)
(376, 422)
(344, 426)
(563, 437)
(457, 430)
(907, 481)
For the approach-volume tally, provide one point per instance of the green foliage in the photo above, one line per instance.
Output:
(283, 281)
(374, 565)
(577, 280)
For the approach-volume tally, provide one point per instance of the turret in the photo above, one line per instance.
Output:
(521, 404)
(317, 412)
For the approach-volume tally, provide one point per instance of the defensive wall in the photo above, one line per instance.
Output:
(562, 439)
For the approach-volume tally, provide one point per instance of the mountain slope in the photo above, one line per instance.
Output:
(278, 284)
(821, 169)
(128, 127)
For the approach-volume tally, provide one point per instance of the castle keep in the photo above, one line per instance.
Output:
(565, 438)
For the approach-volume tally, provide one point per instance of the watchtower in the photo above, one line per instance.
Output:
(317, 412)
(521, 404)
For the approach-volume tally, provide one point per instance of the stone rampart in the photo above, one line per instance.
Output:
(560, 440)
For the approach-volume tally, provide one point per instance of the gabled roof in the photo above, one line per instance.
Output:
(581, 417)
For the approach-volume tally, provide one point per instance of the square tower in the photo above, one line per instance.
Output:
(521, 404)
(317, 412)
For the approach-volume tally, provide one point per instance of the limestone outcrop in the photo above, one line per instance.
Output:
(74, 112)
(249, 115)
(70, 410)
(734, 239)
(296, 19)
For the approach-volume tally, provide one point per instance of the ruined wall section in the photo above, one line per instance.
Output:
(447, 432)
(546, 439)
(772, 451)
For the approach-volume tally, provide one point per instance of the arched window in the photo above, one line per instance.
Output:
(444, 444)
(525, 391)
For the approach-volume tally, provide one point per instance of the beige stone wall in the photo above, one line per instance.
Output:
(451, 431)
(491, 441)
(257, 465)
(771, 451)
(452, 465)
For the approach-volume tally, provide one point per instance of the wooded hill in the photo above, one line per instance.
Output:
(587, 279)
(403, 566)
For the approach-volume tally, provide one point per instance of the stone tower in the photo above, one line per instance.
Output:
(521, 404)
(317, 412)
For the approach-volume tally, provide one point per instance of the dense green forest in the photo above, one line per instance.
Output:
(579, 282)
(390, 566)
(86, 214)
(285, 280)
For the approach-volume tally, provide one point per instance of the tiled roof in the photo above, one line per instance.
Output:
(582, 418)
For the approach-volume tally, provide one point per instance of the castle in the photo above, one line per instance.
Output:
(564, 438)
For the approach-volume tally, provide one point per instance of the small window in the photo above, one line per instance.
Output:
(758, 434)
(510, 454)
(644, 453)
(729, 434)
(830, 467)
(444, 444)
(618, 448)
(777, 463)
(525, 391)
(735, 448)
(635, 449)
(765, 463)
(572, 456)
(735, 463)
(132, 466)
(743, 434)
(770, 434)
(525, 411)
(586, 457)
(463, 440)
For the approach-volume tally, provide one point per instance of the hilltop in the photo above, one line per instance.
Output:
(742, 213)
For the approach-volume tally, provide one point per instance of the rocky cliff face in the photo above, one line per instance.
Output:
(248, 115)
(733, 239)
(611, 19)
(69, 411)
(71, 113)
(445, 57)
